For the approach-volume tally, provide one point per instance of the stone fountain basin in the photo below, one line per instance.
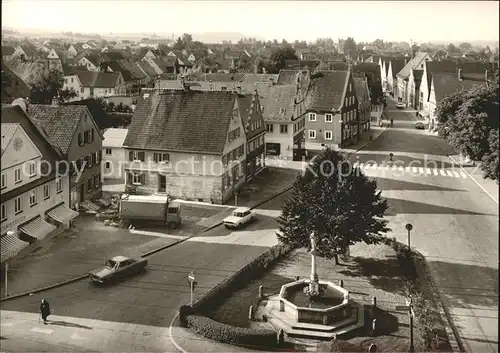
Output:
(320, 312)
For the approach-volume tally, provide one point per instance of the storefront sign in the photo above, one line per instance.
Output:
(12, 225)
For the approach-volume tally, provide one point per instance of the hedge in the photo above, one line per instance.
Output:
(242, 276)
(431, 335)
(223, 333)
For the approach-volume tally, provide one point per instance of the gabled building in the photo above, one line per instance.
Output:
(90, 61)
(12, 86)
(283, 109)
(133, 76)
(395, 66)
(92, 84)
(8, 52)
(364, 102)
(35, 185)
(73, 131)
(114, 155)
(26, 52)
(414, 82)
(331, 105)
(417, 62)
(188, 144)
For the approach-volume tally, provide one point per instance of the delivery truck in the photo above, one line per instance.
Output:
(157, 209)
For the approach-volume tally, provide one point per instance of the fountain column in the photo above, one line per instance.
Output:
(314, 274)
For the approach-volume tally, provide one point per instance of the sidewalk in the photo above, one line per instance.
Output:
(474, 172)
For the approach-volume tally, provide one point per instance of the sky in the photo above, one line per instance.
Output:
(419, 21)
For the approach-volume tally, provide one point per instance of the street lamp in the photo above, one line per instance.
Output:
(409, 227)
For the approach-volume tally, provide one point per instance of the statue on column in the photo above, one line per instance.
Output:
(314, 289)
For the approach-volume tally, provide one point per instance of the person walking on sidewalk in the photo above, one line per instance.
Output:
(44, 310)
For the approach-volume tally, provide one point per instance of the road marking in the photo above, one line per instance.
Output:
(449, 173)
(442, 172)
(421, 170)
(414, 170)
(401, 168)
(463, 175)
(435, 171)
(42, 330)
(408, 169)
(456, 174)
(428, 171)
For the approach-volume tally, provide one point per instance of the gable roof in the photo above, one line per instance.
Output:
(98, 79)
(445, 83)
(8, 132)
(326, 90)
(147, 68)
(189, 121)
(113, 55)
(397, 65)
(93, 58)
(59, 122)
(35, 131)
(361, 89)
(114, 137)
(8, 50)
(414, 63)
(288, 76)
(258, 78)
(278, 102)
(101, 118)
(129, 72)
(12, 85)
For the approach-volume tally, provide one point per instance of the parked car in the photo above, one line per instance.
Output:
(239, 218)
(116, 268)
(419, 125)
(400, 105)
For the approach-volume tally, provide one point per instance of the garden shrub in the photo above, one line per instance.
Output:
(223, 333)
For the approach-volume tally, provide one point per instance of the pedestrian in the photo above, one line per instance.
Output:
(44, 310)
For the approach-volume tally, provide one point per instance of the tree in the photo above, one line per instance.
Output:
(452, 49)
(465, 47)
(350, 47)
(279, 56)
(468, 119)
(336, 202)
(179, 44)
(48, 87)
(187, 39)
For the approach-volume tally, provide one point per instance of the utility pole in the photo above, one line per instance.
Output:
(192, 284)
(409, 307)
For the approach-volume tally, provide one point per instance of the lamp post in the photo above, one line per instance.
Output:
(409, 227)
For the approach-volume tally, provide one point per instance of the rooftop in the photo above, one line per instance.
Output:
(114, 137)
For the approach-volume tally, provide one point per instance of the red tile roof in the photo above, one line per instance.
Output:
(189, 121)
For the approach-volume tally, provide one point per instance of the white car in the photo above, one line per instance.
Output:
(400, 105)
(240, 217)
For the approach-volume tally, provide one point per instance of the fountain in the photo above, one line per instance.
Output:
(313, 308)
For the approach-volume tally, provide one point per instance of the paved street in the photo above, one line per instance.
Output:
(150, 300)
(455, 224)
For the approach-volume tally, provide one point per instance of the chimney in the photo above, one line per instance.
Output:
(460, 74)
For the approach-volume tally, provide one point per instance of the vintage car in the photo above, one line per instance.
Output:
(419, 125)
(400, 105)
(240, 217)
(117, 268)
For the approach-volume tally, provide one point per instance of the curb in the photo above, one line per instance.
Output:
(451, 330)
(149, 253)
(474, 180)
(38, 290)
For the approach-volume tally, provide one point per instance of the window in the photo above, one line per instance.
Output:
(350, 87)
(107, 165)
(97, 156)
(90, 184)
(312, 116)
(18, 205)
(80, 139)
(136, 156)
(33, 198)
(31, 169)
(58, 185)
(46, 191)
(90, 159)
(72, 79)
(97, 179)
(161, 157)
(312, 134)
(17, 175)
(81, 90)
(4, 212)
(328, 118)
(269, 127)
(108, 151)
(4, 181)
(284, 129)
(328, 135)
(137, 178)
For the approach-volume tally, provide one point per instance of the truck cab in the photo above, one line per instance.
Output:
(173, 216)
(151, 208)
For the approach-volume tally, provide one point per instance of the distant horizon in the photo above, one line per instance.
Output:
(42, 31)
(365, 21)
